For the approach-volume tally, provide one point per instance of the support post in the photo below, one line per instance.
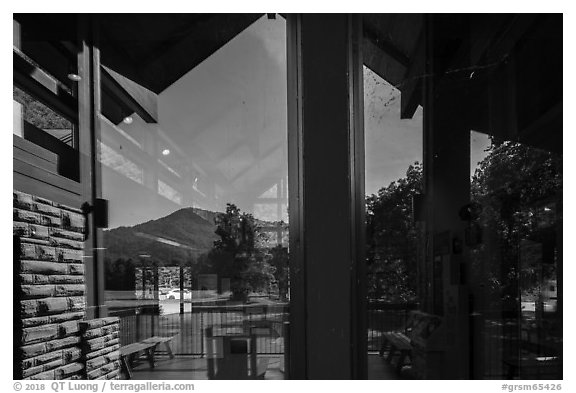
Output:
(88, 134)
(181, 289)
(447, 190)
(326, 163)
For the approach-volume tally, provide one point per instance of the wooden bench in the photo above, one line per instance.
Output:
(148, 346)
(161, 341)
(397, 343)
(128, 352)
(422, 330)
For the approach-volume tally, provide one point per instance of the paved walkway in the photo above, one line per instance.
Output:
(188, 367)
(194, 368)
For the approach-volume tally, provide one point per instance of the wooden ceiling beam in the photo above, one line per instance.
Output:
(386, 46)
(483, 36)
(196, 28)
(411, 85)
(173, 54)
(201, 41)
(132, 95)
(381, 63)
(509, 38)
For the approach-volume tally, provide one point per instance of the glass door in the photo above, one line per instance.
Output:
(197, 245)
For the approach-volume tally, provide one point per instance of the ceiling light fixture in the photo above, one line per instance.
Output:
(74, 77)
(73, 74)
(165, 152)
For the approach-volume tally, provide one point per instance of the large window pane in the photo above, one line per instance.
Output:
(517, 191)
(393, 180)
(197, 243)
(464, 248)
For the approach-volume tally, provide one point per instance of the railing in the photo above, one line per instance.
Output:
(386, 317)
(188, 329)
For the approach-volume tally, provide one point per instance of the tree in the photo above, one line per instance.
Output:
(392, 239)
(512, 187)
(280, 262)
(515, 185)
(235, 254)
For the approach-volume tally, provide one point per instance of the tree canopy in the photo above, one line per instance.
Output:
(391, 238)
(516, 189)
(519, 189)
(236, 255)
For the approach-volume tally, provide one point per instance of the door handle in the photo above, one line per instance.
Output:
(99, 211)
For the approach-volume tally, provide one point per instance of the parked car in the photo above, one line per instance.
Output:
(175, 294)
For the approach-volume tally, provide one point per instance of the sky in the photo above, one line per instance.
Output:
(391, 143)
(225, 125)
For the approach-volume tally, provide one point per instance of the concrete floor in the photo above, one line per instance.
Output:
(379, 369)
(188, 367)
(194, 368)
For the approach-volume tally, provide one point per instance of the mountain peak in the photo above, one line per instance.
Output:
(171, 239)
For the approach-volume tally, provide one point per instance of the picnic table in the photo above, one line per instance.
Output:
(148, 346)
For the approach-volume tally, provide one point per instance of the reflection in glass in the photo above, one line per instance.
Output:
(197, 244)
(393, 179)
(518, 192)
(29, 111)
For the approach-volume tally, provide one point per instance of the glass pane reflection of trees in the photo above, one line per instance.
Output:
(513, 235)
(518, 193)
